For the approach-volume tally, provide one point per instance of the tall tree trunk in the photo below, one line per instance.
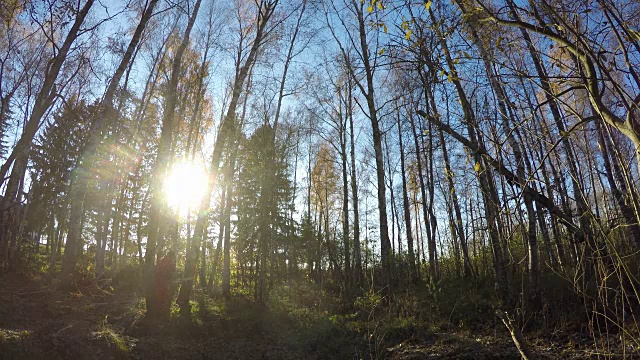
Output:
(502, 283)
(266, 9)
(423, 193)
(345, 208)
(159, 170)
(264, 215)
(392, 200)
(228, 178)
(215, 263)
(433, 221)
(505, 115)
(368, 92)
(468, 268)
(413, 273)
(226, 258)
(357, 276)
(80, 182)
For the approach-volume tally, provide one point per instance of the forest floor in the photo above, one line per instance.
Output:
(38, 322)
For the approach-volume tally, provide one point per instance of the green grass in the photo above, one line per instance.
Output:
(113, 337)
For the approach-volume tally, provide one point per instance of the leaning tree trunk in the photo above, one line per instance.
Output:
(532, 241)
(502, 283)
(80, 183)
(47, 93)
(43, 101)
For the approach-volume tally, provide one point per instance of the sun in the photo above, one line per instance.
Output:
(185, 186)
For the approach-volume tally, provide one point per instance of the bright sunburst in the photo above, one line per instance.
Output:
(185, 186)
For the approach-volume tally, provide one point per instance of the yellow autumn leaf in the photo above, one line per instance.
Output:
(477, 167)
(408, 35)
(427, 5)
(370, 8)
(381, 51)
(448, 173)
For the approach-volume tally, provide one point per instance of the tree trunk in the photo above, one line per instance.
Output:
(228, 125)
(9, 206)
(468, 268)
(425, 211)
(80, 183)
(345, 210)
(358, 276)
(226, 261)
(626, 211)
(413, 273)
(498, 89)
(159, 171)
(367, 91)
(502, 283)
(215, 264)
(47, 93)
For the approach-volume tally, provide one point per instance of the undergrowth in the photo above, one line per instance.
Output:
(114, 337)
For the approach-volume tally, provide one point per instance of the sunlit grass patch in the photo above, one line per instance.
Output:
(8, 336)
(114, 337)
(136, 311)
(15, 344)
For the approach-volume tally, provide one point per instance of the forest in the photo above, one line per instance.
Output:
(321, 179)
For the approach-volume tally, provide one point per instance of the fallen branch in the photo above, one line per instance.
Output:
(516, 335)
